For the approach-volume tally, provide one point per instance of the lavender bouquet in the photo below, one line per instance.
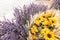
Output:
(17, 30)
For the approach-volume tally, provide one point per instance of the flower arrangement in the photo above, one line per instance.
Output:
(29, 22)
(43, 26)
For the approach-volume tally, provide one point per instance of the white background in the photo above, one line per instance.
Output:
(7, 6)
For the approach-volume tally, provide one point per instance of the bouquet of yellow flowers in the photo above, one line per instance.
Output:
(43, 26)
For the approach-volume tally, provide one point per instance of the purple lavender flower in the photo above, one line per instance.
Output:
(56, 4)
(17, 30)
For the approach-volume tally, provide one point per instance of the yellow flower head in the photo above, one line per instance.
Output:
(34, 29)
(38, 20)
(47, 34)
(47, 15)
(34, 37)
(53, 20)
(46, 23)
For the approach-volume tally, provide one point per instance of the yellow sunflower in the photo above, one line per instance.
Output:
(34, 37)
(46, 23)
(47, 34)
(34, 29)
(53, 20)
(38, 20)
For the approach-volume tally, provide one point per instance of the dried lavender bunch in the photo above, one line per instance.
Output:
(17, 30)
(23, 15)
(56, 4)
(10, 31)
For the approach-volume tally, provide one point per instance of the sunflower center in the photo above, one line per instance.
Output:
(39, 19)
(43, 16)
(49, 35)
(52, 21)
